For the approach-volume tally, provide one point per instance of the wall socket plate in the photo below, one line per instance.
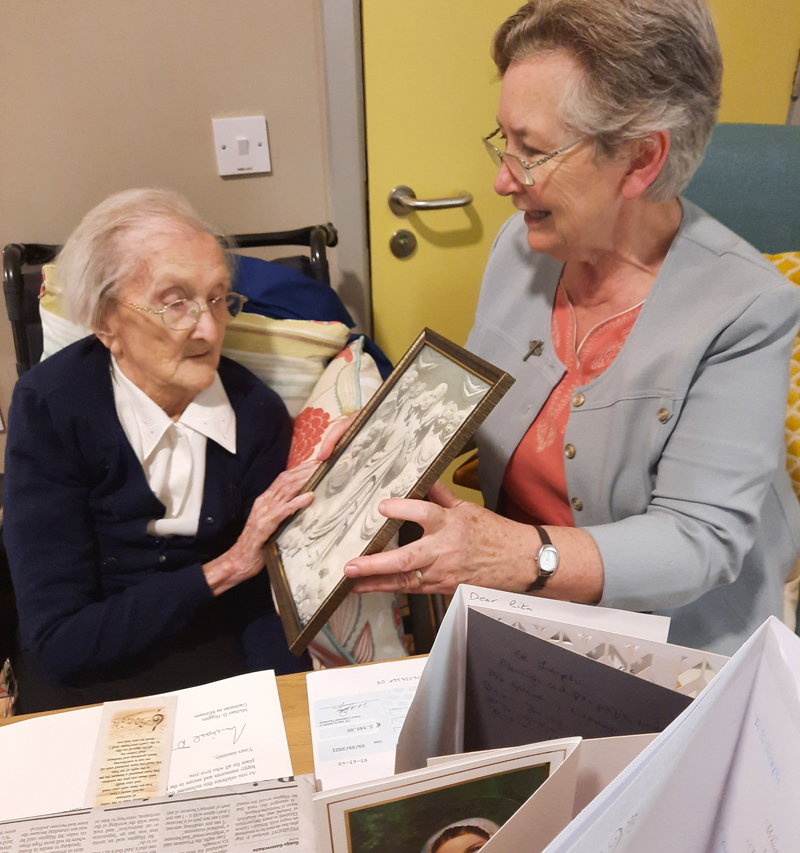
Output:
(241, 145)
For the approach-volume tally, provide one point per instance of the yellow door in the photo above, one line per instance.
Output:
(431, 93)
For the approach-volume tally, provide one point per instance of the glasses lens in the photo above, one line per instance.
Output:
(517, 170)
(494, 153)
(181, 315)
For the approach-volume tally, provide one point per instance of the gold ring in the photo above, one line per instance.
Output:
(418, 573)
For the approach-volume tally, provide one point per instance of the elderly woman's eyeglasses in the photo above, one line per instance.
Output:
(521, 169)
(183, 314)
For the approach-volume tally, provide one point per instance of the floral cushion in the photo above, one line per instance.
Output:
(364, 627)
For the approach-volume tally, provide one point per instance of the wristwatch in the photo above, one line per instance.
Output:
(546, 560)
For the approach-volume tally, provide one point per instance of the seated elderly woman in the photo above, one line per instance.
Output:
(143, 473)
(638, 461)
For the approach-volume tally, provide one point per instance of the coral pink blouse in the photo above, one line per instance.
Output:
(535, 483)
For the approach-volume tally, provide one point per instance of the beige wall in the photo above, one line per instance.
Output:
(101, 95)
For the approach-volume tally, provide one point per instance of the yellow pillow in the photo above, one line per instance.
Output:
(789, 264)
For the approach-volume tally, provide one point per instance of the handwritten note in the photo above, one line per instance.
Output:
(356, 717)
(132, 753)
(229, 732)
(521, 689)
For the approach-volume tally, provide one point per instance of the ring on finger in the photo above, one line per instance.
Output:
(418, 576)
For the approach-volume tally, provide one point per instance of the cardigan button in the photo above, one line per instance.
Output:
(162, 558)
(569, 451)
(663, 415)
(576, 504)
(209, 519)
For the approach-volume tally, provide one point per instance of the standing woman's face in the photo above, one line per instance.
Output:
(572, 207)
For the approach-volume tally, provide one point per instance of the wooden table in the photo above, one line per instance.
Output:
(294, 703)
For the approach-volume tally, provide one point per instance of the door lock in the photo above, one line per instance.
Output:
(403, 243)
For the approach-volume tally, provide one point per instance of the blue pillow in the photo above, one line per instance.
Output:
(283, 293)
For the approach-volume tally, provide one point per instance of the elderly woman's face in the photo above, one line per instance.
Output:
(171, 367)
(573, 204)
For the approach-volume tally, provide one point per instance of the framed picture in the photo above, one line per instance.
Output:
(468, 797)
(398, 446)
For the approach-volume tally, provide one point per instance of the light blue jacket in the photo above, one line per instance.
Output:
(692, 511)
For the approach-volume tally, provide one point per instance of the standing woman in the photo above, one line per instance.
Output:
(638, 461)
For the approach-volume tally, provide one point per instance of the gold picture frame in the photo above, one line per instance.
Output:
(398, 446)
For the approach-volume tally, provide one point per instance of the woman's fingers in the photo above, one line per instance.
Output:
(441, 495)
(424, 513)
(331, 439)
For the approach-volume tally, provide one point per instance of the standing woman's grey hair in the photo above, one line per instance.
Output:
(649, 65)
(105, 251)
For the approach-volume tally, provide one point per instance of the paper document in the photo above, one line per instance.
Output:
(244, 819)
(356, 716)
(723, 777)
(522, 689)
(226, 732)
(132, 751)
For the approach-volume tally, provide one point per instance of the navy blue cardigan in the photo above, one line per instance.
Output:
(104, 606)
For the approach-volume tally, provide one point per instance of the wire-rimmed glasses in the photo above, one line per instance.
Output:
(183, 314)
(521, 169)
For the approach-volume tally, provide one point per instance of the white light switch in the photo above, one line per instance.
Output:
(241, 145)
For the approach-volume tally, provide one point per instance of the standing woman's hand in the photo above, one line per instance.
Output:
(462, 543)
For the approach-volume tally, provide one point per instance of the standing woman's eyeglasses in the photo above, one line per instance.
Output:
(521, 169)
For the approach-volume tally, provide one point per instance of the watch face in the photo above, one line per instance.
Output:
(548, 560)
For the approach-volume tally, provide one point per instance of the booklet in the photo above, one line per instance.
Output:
(724, 776)
(601, 645)
(215, 734)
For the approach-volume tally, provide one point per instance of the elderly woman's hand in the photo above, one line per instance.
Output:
(465, 543)
(246, 558)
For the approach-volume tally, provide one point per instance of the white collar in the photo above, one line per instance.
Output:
(210, 413)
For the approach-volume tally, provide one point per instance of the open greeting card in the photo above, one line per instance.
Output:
(399, 445)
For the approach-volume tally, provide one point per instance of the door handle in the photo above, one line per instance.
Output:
(403, 201)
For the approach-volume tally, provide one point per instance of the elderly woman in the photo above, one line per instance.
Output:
(143, 473)
(638, 461)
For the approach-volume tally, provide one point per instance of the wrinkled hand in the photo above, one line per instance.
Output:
(246, 559)
(330, 441)
(462, 543)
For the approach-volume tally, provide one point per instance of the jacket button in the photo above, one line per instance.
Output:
(578, 400)
(162, 558)
(209, 519)
(577, 504)
(569, 451)
(663, 415)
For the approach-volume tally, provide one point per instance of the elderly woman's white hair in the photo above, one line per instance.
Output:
(104, 252)
(478, 825)
(649, 65)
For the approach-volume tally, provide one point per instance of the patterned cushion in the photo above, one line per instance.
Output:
(789, 264)
(364, 627)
